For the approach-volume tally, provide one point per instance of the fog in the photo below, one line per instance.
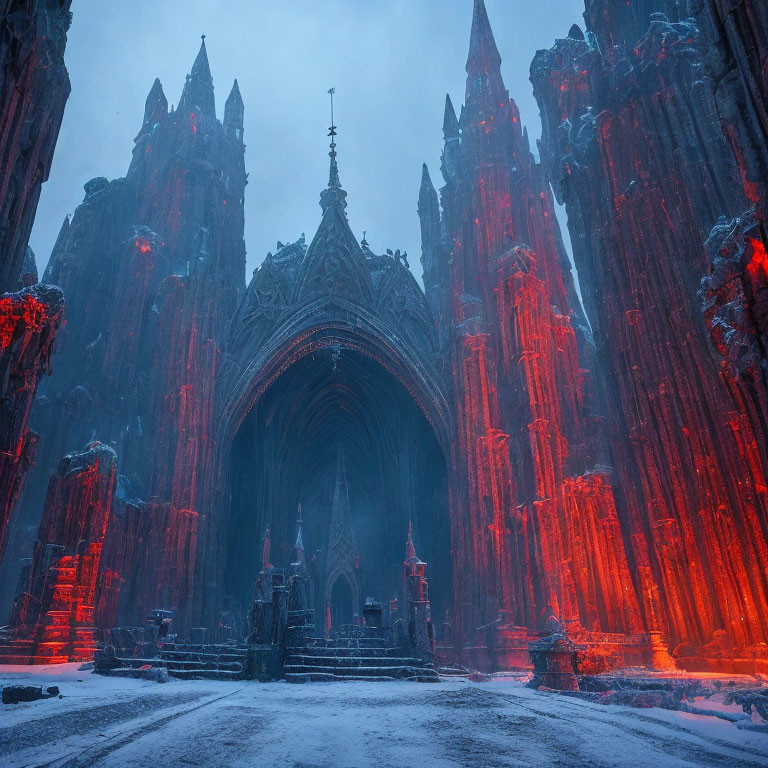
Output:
(391, 62)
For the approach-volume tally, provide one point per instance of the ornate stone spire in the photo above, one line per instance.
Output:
(234, 113)
(298, 547)
(429, 217)
(429, 210)
(198, 90)
(156, 107)
(484, 57)
(484, 82)
(342, 547)
(341, 533)
(265, 550)
(450, 121)
(429, 205)
(334, 195)
(410, 548)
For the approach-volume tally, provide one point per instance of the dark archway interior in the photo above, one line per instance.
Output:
(342, 608)
(286, 452)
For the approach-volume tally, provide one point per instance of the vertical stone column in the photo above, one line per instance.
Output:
(55, 613)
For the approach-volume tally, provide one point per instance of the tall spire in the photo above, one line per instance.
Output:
(334, 195)
(156, 107)
(426, 181)
(266, 547)
(341, 514)
(234, 113)
(410, 549)
(429, 208)
(451, 133)
(429, 217)
(484, 81)
(298, 547)
(484, 57)
(198, 90)
(450, 121)
(342, 547)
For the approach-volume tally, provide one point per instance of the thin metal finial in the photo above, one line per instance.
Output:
(333, 196)
(332, 129)
(202, 37)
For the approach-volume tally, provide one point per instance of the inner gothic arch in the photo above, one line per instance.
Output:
(341, 436)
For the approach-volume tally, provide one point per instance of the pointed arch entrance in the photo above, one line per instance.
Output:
(342, 601)
(333, 352)
(336, 401)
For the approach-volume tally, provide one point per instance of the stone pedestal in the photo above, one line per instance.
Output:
(372, 614)
(554, 663)
(659, 653)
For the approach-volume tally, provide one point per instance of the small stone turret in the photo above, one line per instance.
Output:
(301, 617)
(416, 630)
(156, 107)
(198, 90)
(234, 113)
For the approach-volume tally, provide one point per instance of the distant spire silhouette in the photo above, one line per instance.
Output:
(299, 545)
(156, 107)
(485, 84)
(198, 90)
(234, 113)
(450, 121)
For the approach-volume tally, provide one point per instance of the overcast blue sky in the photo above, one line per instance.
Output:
(391, 61)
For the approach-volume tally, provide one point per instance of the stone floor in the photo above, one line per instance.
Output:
(122, 723)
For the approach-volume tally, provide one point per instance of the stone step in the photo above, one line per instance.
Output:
(190, 656)
(337, 651)
(25, 659)
(358, 633)
(207, 648)
(399, 673)
(22, 652)
(205, 674)
(184, 667)
(153, 673)
(319, 677)
(350, 642)
(135, 663)
(353, 661)
(223, 666)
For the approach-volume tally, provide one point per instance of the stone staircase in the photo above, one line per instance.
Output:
(354, 653)
(182, 660)
(79, 645)
(215, 662)
(23, 652)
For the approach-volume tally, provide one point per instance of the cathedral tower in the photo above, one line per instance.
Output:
(152, 266)
(533, 515)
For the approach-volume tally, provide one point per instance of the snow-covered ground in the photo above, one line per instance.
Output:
(119, 722)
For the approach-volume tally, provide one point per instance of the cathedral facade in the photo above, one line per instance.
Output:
(596, 458)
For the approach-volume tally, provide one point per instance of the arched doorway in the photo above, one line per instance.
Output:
(334, 401)
(343, 607)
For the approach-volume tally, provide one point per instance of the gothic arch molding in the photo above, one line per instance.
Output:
(339, 325)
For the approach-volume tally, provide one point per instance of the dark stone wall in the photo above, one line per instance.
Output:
(153, 268)
(53, 617)
(611, 472)
(735, 52)
(535, 528)
(34, 88)
(634, 146)
(29, 321)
